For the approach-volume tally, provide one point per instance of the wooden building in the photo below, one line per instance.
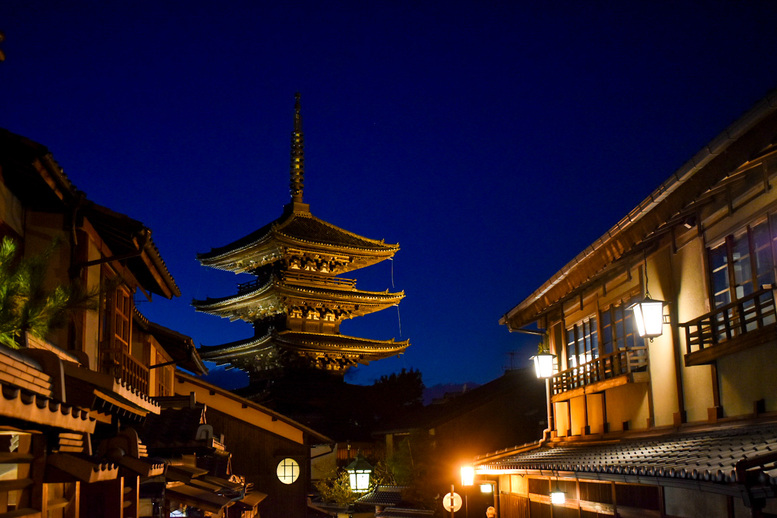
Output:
(270, 451)
(73, 401)
(683, 424)
(298, 300)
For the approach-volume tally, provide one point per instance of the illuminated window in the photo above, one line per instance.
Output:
(288, 471)
(582, 343)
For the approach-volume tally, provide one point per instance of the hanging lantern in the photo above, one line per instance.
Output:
(649, 317)
(557, 496)
(543, 365)
(359, 474)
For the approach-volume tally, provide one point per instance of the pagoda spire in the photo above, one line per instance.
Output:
(297, 171)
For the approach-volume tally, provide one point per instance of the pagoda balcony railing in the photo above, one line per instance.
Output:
(608, 366)
(301, 278)
(730, 328)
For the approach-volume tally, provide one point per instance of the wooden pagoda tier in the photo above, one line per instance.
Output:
(302, 296)
(299, 241)
(332, 352)
(297, 302)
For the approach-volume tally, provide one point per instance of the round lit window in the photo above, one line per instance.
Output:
(288, 471)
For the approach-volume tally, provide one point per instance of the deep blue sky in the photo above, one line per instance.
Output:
(492, 140)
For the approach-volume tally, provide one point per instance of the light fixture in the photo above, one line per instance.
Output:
(543, 360)
(467, 475)
(486, 488)
(648, 313)
(359, 474)
(557, 496)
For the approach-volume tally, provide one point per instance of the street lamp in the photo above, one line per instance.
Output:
(359, 474)
(467, 475)
(543, 365)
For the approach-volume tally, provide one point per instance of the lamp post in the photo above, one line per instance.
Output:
(543, 367)
(467, 480)
(359, 474)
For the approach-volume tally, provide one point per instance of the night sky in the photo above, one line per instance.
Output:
(492, 140)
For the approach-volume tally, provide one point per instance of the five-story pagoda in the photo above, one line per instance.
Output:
(298, 301)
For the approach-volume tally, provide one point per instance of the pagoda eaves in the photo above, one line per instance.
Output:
(338, 301)
(303, 242)
(331, 352)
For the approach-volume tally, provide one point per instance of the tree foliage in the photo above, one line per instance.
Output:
(397, 394)
(335, 488)
(27, 304)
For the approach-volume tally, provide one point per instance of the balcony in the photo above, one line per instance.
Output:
(134, 373)
(748, 322)
(618, 368)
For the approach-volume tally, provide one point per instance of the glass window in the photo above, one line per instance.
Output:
(582, 343)
(617, 328)
(719, 267)
(288, 471)
(748, 257)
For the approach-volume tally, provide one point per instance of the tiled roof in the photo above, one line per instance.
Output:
(398, 512)
(707, 455)
(303, 227)
(383, 495)
(329, 343)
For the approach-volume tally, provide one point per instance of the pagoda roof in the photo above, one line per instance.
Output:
(298, 229)
(268, 298)
(356, 350)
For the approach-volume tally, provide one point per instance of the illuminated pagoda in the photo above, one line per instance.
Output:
(298, 299)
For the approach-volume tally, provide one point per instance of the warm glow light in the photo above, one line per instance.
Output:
(486, 488)
(558, 497)
(649, 317)
(543, 365)
(467, 475)
(359, 474)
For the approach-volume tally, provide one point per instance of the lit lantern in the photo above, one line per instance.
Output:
(543, 365)
(359, 474)
(557, 496)
(649, 317)
(467, 475)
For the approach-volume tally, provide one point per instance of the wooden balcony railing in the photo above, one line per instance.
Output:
(134, 372)
(730, 327)
(599, 369)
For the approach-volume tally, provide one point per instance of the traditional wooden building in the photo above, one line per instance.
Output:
(74, 400)
(298, 300)
(683, 424)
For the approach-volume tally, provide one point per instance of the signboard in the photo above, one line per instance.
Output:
(452, 502)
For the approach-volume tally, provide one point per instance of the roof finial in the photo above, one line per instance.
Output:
(297, 155)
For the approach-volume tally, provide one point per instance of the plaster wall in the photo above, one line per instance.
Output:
(692, 301)
(628, 403)
(690, 503)
(561, 415)
(747, 377)
(661, 353)
(595, 403)
(577, 407)
(697, 387)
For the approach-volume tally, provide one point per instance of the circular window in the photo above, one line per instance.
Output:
(288, 470)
